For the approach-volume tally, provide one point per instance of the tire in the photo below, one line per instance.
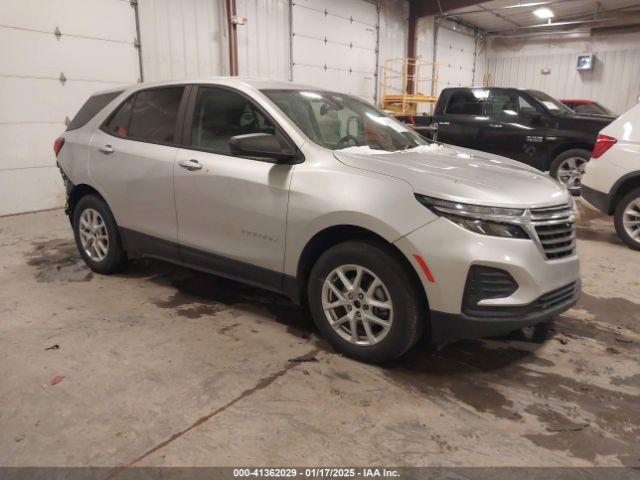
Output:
(406, 318)
(561, 166)
(104, 226)
(630, 204)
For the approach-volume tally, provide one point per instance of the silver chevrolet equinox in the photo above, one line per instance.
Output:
(324, 198)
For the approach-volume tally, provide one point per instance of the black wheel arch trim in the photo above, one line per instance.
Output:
(615, 195)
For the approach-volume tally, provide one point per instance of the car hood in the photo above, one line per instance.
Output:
(460, 174)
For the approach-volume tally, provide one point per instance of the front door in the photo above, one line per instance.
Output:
(516, 129)
(462, 118)
(231, 210)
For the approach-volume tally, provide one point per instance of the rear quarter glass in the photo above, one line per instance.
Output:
(90, 108)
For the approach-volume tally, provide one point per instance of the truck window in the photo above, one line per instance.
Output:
(509, 104)
(467, 102)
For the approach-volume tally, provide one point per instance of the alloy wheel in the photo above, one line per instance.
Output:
(631, 219)
(570, 172)
(94, 237)
(357, 305)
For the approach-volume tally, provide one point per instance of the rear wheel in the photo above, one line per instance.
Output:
(365, 302)
(627, 219)
(568, 168)
(97, 236)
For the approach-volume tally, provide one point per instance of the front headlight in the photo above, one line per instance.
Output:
(495, 221)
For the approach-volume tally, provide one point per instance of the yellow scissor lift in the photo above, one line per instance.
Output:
(404, 82)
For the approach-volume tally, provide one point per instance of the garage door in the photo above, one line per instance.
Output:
(46, 78)
(456, 58)
(334, 45)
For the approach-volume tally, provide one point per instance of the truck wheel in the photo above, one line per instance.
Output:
(627, 219)
(364, 301)
(568, 168)
(97, 236)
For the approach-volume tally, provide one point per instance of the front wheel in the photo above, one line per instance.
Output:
(627, 219)
(365, 302)
(568, 168)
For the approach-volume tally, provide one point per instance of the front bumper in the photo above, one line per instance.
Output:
(449, 252)
(448, 327)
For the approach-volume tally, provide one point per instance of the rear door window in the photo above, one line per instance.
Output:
(90, 109)
(155, 114)
(467, 102)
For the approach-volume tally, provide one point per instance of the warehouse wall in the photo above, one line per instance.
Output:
(45, 78)
(614, 81)
(455, 54)
(263, 42)
(186, 38)
(394, 25)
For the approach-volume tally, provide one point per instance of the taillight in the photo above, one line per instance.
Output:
(57, 145)
(603, 143)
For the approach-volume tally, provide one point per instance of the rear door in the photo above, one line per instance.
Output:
(462, 117)
(231, 210)
(132, 157)
(516, 128)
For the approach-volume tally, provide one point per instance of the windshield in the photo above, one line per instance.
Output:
(338, 121)
(553, 106)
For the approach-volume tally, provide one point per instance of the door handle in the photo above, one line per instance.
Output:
(495, 125)
(106, 149)
(444, 123)
(190, 165)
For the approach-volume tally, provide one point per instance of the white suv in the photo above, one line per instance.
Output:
(612, 179)
(326, 199)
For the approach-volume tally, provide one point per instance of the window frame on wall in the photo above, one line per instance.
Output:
(179, 124)
(189, 113)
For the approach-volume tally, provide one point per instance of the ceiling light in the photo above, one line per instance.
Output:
(543, 13)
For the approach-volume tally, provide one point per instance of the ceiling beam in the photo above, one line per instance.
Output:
(606, 16)
(424, 8)
(509, 8)
(501, 17)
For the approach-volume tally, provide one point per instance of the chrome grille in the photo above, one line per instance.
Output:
(555, 228)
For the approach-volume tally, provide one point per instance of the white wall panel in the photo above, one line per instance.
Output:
(394, 23)
(614, 81)
(263, 42)
(455, 57)
(185, 38)
(30, 190)
(334, 45)
(93, 54)
(73, 17)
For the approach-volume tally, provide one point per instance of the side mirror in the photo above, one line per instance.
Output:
(262, 146)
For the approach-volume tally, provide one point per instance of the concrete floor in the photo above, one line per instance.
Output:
(164, 366)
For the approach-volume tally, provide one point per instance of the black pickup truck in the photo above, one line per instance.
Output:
(526, 125)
